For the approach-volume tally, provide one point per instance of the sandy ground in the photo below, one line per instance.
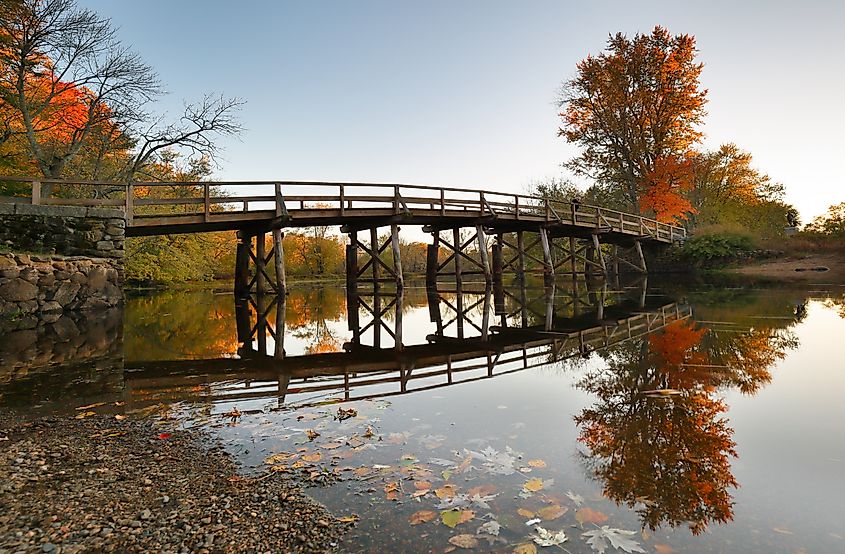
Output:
(785, 268)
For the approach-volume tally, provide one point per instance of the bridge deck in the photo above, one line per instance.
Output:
(163, 208)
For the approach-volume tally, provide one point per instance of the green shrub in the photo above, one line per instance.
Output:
(712, 249)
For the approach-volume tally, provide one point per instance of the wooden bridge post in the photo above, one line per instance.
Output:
(397, 256)
(261, 323)
(352, 264)
(456, 238)
(482, 252)
(260, 269)
(520, 247)
(548, 262)
(397, 320)
(432, 260)
(279, 261)
(281, 308)
(242, 265)
(374, 245)
(639, 248)
(599, 254)
(572, 251)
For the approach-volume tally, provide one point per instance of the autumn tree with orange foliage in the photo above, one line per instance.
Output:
(630, 107)
(662, 191)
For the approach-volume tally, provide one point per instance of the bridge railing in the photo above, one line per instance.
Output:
(148, 203)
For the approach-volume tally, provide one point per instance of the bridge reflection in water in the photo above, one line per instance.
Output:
(476, 334)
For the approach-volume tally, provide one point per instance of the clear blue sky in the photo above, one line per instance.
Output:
(462, 92)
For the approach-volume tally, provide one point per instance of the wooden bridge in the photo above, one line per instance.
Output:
(527, 232)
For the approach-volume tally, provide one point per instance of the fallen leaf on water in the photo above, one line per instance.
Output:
(423, 516)
(588, 515)
(661, 548)
(313, 457)
(450, 518)
(422, 485)
(482, 490)
(368, 434)
(552, 512)
(533, 485)
(346, 414)
(525, 513)
(490, 528)
(119, 417)
(89, 406)
(464, 541)
(355, 442)
(534, 521)
(599, 539)
(85, 414)
(466, 515)
(537, 463)
(348, 519)
(312, 434)
(525, 548)
(164, 436)
(576, 499)
(446, 491)
(549, 538)
(331, 445)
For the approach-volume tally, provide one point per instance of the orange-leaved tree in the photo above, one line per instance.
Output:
(662, 191)
(634, 104)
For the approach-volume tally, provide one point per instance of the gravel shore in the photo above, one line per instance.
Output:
(102, 485)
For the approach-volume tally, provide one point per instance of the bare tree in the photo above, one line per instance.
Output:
(55, 53)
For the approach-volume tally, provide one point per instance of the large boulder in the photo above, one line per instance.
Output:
(66, 293)
(18, 290)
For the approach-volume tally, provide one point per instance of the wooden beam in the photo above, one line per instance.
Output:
(279, 259)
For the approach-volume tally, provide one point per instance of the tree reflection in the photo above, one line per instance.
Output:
(658, 438)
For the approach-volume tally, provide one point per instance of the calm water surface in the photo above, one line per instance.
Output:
(698, 418)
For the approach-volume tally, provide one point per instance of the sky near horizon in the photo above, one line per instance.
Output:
(462, 93)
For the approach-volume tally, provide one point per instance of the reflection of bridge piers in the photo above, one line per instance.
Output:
(470, 339)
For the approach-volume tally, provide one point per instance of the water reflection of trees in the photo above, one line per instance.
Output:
(657, 438)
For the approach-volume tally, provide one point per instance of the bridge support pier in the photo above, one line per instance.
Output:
(459, 251)
(252, 250)
(630, 257)
(376, 260)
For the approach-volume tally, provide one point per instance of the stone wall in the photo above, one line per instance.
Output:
(67, 230)
(32, 284)
(80, 265)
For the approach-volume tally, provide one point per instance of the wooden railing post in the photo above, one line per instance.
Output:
(481, 201)
(206, 201)
(396, 200)
(342, 200)
(442, 202)
(130, 201)
(36, 192)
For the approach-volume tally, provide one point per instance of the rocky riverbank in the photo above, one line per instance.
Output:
(105, 484)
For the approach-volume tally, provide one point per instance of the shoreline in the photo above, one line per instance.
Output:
(106, 484)
(784, 268)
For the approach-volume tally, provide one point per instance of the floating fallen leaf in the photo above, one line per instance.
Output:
(552, 512)
(368, 434)
(537, 463)
(489, 528)
(533, 485)
(661, 548)
(548, 538)
(599, 539)
(355, 442)
(576, 499)
(466, 515)
(464, 541)
(346, 414)
(119, 417)
(89, 406)
(392, 490)
(85, 414)
(164, 436)
(312, 434)
(588, 515)
(423, 516)
(482, 490)
(450, 518)
(312, 458)
(446, 491)
(331, 445)
(422, 485)
(525, 513)
(525, 548)
(348, 519)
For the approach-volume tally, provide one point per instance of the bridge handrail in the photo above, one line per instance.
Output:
(487, 202)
